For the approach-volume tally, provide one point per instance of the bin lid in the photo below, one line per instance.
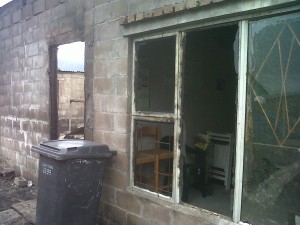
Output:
(72, 149)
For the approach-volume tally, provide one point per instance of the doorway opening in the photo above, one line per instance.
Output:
(209, 115)
(67, 91)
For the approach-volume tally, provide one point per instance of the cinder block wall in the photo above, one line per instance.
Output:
(108, 64)
(71, 87)
(27, 30)
(70, 99)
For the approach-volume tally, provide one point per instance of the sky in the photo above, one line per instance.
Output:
(3, 2)
(70, 57)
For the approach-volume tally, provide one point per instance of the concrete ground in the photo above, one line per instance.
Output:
(21, 213)
(17, 198)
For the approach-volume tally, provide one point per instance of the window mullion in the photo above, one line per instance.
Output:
(240, 130)
(178, 106)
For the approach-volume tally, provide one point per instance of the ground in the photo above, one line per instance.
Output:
(11, 194)
(17, 204)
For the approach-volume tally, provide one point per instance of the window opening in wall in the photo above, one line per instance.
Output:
(154, 113)
(202, 119)
(70, 91)
(209, 115)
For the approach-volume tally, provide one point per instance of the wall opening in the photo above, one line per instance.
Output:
(209, 114)
(67, 91)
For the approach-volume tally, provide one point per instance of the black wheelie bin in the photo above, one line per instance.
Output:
(70, 181)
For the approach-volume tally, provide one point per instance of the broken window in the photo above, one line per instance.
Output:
(209, 87)
(271, 187)
(189, 93)
(154, 114)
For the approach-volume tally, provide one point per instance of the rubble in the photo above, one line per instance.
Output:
(7, 173)
(20, 182)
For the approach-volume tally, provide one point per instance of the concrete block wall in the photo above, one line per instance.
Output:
(27, 30)
(71, 87)
(110, 85)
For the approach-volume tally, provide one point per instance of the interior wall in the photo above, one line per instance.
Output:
(210, 82)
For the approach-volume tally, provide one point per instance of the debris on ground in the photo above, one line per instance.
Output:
(7, 173)
(16, 190)
(20, 182)
(17, 198)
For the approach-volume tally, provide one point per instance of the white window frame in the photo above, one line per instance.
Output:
(240, 120)
(157, 117)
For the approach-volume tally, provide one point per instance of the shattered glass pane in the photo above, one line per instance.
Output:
(271, 181)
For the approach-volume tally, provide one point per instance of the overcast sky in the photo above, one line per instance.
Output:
(70, 57)
(3, 2)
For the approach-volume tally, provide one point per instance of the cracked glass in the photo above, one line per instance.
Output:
(271, 182)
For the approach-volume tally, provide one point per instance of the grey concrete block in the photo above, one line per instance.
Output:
(39, 6)
(44, 18)
(1, 24)
(32, 49)
(20, 182)
(66, 24)
(43, 47)
(108, 31)
(27, 11)
(116, 9)
(9, 215)
(27, 209)
(29, 1)
(8, 43)
(88, 19)
(89, 4)
(7, 20)
(100, 14)
(51, 3)
(16, 17)
(17, 29)
(58, 12)
(17, 41)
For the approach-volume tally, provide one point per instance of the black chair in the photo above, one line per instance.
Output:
(198, 170)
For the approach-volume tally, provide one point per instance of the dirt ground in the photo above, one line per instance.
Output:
(11, 194)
